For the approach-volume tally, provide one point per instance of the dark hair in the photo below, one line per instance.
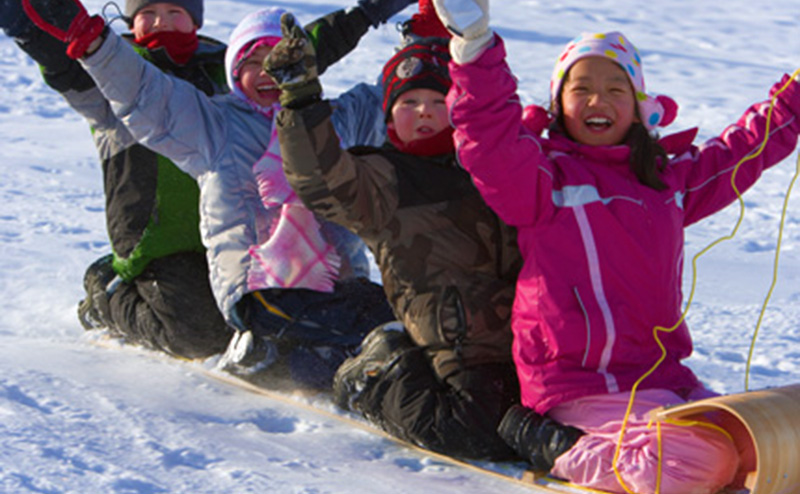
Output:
(648, 158)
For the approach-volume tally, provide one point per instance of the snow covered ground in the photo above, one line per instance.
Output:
(75, 418)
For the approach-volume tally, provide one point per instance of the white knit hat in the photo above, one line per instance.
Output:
(654, 111)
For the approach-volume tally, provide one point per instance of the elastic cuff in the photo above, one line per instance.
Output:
(465, 51)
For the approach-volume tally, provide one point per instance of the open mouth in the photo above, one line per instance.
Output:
(268, 91)
(598, 123)
(265, 88)
(425, 130)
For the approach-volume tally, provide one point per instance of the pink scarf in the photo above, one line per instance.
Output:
(291, 252)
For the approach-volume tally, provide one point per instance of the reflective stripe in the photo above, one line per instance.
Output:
(602, 302)
(573, 196)
(588, 324)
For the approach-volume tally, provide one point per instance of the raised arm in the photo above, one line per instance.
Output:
(167, 114)
(708, 170)
(337, 34)
(66, 76)
(506, 162)
(331, 182)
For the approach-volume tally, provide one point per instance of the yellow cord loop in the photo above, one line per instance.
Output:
(658, 329)
(774, 276)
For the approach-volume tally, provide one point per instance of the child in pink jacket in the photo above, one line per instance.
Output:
(601, 207)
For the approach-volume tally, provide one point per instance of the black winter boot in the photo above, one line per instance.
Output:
(379, 350)
(94, 311)
(536, 438)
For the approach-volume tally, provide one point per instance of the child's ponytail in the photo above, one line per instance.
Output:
(648, 158)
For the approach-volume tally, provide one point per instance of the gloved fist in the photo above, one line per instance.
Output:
(293, 65)
(66, 20)
(468, 20)
(379, 11)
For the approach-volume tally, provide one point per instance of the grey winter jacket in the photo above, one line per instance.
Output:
(151, 206)
(217, 140)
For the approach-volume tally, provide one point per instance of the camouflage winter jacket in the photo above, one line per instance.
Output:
(449, 265)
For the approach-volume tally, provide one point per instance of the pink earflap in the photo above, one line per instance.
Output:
(670, 110)
(536, 119)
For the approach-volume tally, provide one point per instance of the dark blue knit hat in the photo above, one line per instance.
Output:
(193, 7)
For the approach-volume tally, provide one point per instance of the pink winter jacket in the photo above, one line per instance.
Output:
(603, 254)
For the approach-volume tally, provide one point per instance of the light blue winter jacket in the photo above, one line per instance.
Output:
(217, 140)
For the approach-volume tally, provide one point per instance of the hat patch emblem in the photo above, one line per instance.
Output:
(409, 68)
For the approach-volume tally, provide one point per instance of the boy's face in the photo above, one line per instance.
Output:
(256, 84)
(162, 17)
(419, 114)
(598, 102)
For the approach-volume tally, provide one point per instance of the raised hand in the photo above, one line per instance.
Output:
(468, 20)
(293, 66)
(425, 23)
(66, 20)
(379, 11)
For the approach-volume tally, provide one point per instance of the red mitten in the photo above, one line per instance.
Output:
(426, 23)
(66, 20)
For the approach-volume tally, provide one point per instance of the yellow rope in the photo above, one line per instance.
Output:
(697, 423)
(658, 329)
(271, 308)
(774, 276)
(660, 456)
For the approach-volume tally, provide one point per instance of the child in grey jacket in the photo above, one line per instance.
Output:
(287, 281)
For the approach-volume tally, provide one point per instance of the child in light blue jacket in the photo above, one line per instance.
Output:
(293, 286)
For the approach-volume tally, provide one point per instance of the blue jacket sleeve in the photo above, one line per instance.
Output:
(358, 116)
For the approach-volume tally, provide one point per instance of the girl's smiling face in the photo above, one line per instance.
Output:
(419, 114)
(598, 104)
(256, 84)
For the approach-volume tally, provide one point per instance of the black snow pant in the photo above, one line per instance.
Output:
(457, 418)
(170, 307)
(314, 332)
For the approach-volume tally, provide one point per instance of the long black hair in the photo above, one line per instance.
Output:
(648, 158)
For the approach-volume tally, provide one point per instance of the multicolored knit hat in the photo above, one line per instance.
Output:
(420, 64)
(193, 7)
(263, 24)
(654, 111)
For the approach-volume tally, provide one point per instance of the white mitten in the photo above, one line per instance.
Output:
(468, 20)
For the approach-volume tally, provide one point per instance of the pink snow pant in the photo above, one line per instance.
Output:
(694, 460)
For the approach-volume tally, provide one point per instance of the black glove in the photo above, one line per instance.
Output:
(379, 11)
(293, 65)
(66, 20)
